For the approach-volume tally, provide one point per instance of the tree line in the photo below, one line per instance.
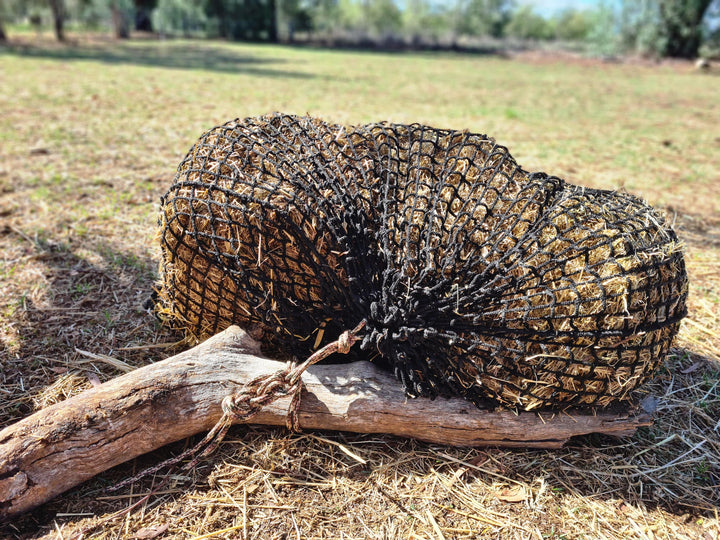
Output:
(653, 27)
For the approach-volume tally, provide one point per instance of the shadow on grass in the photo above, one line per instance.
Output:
(697, 230)
(91, 299)
(172, 55)
(95, 306)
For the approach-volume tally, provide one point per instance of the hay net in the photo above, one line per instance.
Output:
(474, 277)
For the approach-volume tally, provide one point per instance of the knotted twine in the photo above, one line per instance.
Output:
(241, 406)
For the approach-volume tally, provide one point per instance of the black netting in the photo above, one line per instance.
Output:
(475, 277)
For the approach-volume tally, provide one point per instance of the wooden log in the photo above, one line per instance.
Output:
(65, 444)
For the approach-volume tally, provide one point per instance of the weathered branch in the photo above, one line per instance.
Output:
(67, 443)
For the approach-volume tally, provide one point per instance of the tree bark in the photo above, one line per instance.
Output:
(58, 11)
(65, 444)
(121, 24)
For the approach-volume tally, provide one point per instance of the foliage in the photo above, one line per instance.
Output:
(422, 20)
(97, 14)
(85, 14)
(349, 15)
(481, 17)
(573, 24)
(292, 16)
(242, 19)
(640, 27)
(92, 14)
(179, 17)
(663, 27)
(648, 27)
(123, 13)
(382, 17)
(325, 15)
(526, 24)
(231, 19)
(605, 37)
(681, 25)
(427, 21)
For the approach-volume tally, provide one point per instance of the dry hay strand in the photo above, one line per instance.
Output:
(66, 385)
(474, 276)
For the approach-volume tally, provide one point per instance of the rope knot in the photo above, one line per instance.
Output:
(229, 405)
(254, 395)
(348, 338)
(345, 342)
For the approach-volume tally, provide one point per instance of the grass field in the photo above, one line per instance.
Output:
(90, 135)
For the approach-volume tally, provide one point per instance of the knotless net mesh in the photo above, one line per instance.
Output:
(474, 277)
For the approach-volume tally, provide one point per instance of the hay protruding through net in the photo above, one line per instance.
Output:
(474, 277)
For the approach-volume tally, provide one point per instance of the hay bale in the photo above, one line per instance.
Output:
(474, 276)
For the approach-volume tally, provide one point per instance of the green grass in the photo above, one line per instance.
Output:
(90, 137)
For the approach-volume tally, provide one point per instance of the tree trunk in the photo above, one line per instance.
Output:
(3, 35)
(682, 26)
(58, 12)
(63, 445)
(121, 25)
